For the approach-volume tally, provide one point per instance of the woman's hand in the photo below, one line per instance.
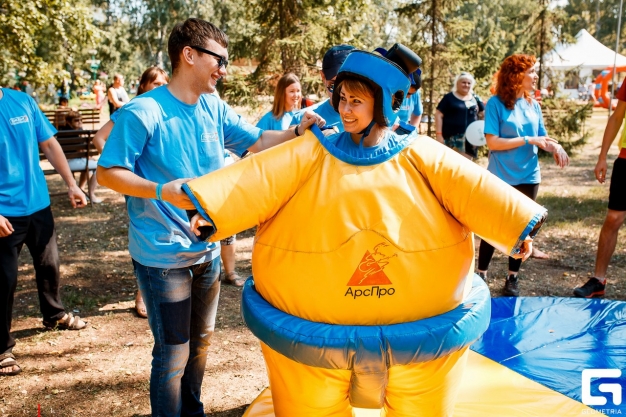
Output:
(545, 143)
(309, 119)
(561, 157)
(525, 250)
(198, 221)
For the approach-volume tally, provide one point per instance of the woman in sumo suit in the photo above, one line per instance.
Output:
(363, 294)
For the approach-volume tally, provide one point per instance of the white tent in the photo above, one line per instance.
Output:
(587, 53)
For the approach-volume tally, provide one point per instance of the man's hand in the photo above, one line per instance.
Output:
(78, 199)
(600, 170)
(309, 119)
(5, 227)
(198, 221)
(173, 193)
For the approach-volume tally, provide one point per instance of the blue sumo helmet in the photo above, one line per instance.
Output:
(389, 72)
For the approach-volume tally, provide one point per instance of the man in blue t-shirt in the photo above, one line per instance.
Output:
(162, 139)
(25, 215)
(411, 109)
(332, 61)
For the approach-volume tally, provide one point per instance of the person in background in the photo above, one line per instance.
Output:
(74, 121)
(26, 217)
(117, 94)
(411, 110)
(229, 275)
(151, 78)
(457, 110)
(616, 213)
(332, 61)
(515, 131)
(98, 89)
(287, 99)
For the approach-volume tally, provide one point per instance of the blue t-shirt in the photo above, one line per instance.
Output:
(324, 109)
(162, 139)
(23, 188)
(116, 115)
(268, 122)
(518, 165)
(410, 106)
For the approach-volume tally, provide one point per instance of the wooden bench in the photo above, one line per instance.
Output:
(56, 117)
(89, 116)
(75, 144)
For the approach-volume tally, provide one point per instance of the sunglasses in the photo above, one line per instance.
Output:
(331, 87)
(221, 61)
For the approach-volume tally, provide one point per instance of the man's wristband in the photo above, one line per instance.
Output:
(525, 140)
(296, 130)
(159, 188)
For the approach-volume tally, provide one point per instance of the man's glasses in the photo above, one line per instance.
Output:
(330, 86)
(221, 61)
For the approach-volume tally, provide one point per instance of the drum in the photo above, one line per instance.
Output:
(475, 133)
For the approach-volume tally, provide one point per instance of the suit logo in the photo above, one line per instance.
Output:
(370, 273)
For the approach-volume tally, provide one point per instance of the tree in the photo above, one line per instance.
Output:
(43, 40)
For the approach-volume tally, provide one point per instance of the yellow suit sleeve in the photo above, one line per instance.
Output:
(252, 190)
(479, 200)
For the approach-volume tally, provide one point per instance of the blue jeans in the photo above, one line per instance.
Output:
(181, 305)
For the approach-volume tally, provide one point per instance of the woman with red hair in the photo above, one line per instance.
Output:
(515, 131)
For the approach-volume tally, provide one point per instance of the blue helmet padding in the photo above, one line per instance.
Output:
(382, 72)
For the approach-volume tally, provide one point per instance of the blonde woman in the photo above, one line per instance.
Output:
(457, 110)
(287, 99)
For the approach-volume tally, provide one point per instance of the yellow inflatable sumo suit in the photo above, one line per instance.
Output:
(363, 292)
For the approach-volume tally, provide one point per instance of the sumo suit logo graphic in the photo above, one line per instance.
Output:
(370, 273)
(615, 389)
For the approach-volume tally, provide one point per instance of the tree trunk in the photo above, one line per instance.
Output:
(542, 41)
(281, 33)
(433, 53)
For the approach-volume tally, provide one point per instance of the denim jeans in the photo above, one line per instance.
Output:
(181, 305)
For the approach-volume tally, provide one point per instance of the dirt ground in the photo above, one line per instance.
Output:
(104, 369)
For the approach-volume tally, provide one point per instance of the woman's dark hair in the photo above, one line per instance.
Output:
(149, 76)
(285, 81)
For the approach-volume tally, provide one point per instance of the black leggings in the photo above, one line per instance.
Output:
(485, 252)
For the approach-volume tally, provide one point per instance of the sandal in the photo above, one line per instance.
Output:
(8, 360)
(71, 322)
(140, 306)
(233, 278)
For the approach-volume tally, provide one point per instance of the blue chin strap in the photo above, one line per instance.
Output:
(365, 132)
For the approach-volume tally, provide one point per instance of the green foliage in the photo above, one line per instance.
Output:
(44, 39)
(565, 119)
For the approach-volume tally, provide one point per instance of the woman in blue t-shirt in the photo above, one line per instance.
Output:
(287, 100)
(457, 110)
(515, 131)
